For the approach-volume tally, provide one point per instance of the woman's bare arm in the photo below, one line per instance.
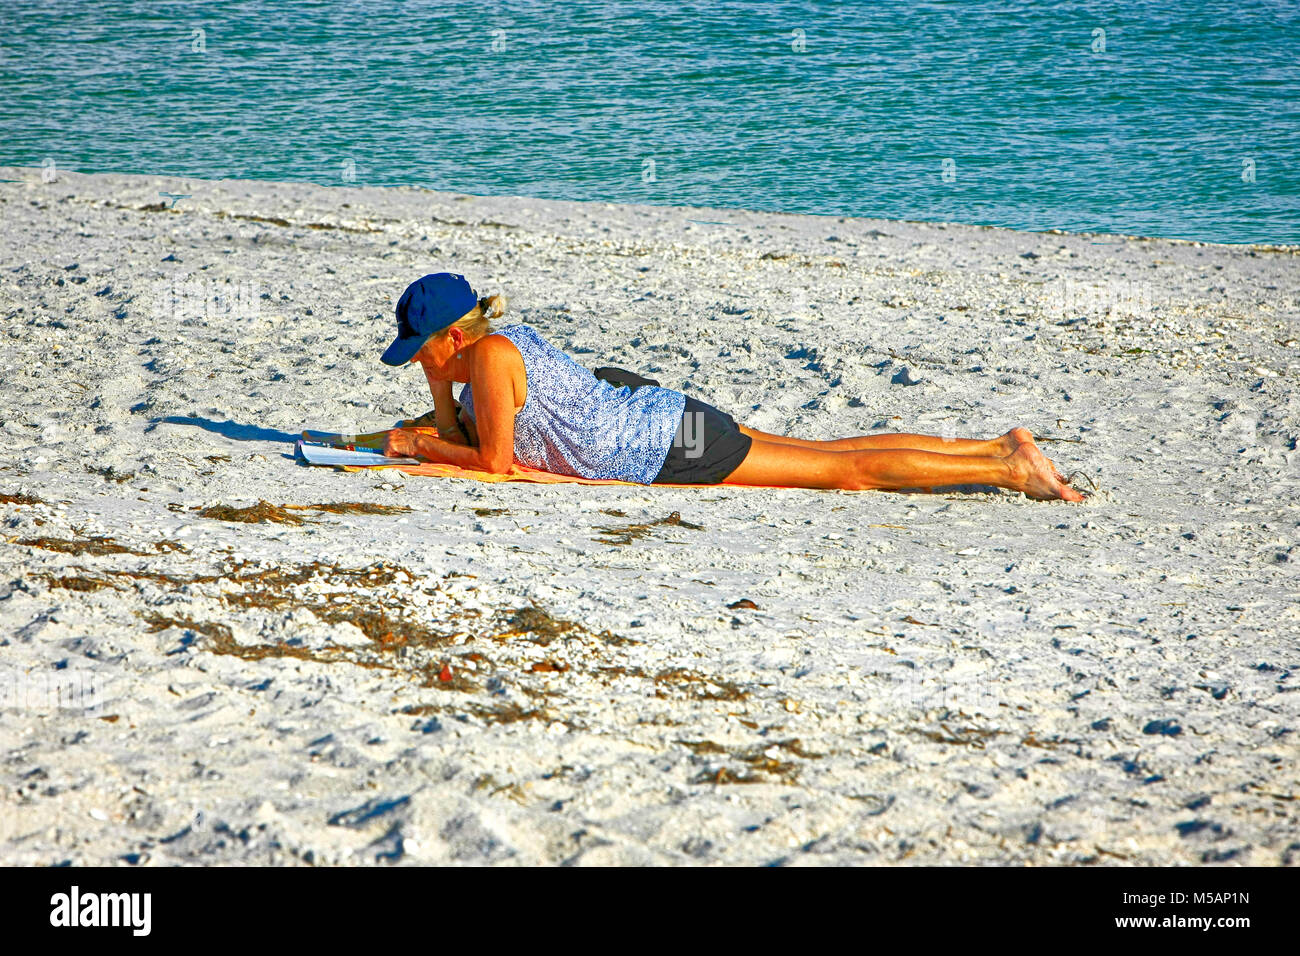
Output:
(444, 410)
(497, 371)
(471, 431)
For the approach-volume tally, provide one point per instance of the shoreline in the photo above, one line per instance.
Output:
(1282, 248)
(921, 679)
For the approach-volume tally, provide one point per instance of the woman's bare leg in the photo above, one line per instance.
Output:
(1000, 447)
(991, 447)
(778, 463)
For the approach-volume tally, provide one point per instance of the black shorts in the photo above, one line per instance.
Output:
(708, 447)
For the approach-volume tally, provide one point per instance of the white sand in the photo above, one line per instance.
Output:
(972, 677)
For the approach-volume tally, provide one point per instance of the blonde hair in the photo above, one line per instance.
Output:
(477, 322)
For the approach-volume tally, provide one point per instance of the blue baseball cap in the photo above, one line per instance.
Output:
(428, 306)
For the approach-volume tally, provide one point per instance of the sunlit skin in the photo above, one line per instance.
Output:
(886, 462)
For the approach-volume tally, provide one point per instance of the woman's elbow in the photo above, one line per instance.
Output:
(497, 464)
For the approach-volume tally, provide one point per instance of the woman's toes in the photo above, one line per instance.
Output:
(1036, 476)
(1069, 494)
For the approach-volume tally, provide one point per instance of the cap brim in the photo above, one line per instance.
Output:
(403, 350)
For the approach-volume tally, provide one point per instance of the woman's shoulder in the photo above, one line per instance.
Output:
(523, 337)
(515, 330)
(500, 345)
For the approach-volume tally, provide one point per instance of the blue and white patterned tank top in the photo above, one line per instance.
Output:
(573, 423)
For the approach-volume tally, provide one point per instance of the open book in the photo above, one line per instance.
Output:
(315, 454)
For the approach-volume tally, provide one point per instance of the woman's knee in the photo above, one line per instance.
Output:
(779, 464)
(863, 469)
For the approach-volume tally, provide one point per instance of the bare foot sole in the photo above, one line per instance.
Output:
(1023, 436)
(1036, 476)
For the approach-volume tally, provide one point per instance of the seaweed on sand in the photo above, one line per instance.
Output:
(538, 626)
(508, 713)
(634, 532)
(387, 632)
(276, 579)
(444, 676)
(403, 639)
(353, 508)
(761, 766)
(78, 582)
(271, 589)
(691, 684)
(548, 667)
(161, 622)
(92, 546)
(281, 514)
(700, 686)
(221, 640)
(262, 511)
(332, 599)
(20, 499)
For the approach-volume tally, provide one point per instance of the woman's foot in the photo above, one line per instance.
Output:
(1023, 436)
(1036, 476)
(1013, 439)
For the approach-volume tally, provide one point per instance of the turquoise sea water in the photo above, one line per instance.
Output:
(1177, 119)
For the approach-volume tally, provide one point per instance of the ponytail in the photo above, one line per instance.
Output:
(477, 322)
(492, 306)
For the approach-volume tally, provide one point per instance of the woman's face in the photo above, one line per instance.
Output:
(435, 354)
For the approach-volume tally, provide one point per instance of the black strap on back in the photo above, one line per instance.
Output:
(618, 377)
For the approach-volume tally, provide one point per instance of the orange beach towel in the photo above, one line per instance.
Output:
(517, 472)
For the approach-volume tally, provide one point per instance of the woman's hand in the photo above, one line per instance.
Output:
(445, 410)
(402, 444)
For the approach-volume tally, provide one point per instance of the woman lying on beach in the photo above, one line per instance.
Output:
(527, 402)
